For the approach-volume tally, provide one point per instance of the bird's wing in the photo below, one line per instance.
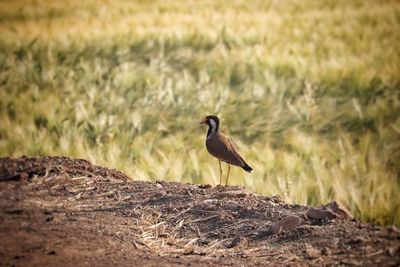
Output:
(232, 148)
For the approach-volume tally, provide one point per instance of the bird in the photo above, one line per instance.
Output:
(221, 147)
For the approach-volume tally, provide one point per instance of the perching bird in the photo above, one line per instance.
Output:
(222, 147)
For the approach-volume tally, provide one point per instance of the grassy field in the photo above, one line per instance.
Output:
(308, 90)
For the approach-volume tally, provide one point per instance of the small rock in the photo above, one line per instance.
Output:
(320, 214)
(288, 223)
(334, 207)
(52, 252)
(342, 214)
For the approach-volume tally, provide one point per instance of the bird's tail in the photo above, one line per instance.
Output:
(247, 168)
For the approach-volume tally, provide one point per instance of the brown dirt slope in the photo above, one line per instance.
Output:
(57, 211)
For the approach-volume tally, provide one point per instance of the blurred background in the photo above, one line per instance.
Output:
(308, 90)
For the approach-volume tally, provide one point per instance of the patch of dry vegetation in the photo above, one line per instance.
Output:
(309, 91)
(70, 211)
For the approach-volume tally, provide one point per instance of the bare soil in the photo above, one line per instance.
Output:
(57, 211)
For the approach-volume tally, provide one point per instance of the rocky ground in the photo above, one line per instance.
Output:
(57, 211)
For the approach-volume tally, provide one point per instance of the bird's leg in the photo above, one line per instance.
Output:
(227, 176)
(220, 172)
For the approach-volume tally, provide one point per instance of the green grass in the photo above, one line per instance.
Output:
(308, 90)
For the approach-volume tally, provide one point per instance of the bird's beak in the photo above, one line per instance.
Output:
(204, 121)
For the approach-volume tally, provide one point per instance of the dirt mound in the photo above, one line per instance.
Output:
(62, 211)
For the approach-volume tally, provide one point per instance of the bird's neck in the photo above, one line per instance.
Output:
(212, 129)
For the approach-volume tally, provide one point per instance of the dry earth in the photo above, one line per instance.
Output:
(66, 212)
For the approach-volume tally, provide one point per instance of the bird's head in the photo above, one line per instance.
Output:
(211, 121)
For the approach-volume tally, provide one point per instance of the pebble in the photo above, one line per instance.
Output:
(320, 214)
(288, 223)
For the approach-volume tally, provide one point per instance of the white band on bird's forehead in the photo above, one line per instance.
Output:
(213, 128)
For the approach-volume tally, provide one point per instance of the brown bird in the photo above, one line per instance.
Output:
(222, 147)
